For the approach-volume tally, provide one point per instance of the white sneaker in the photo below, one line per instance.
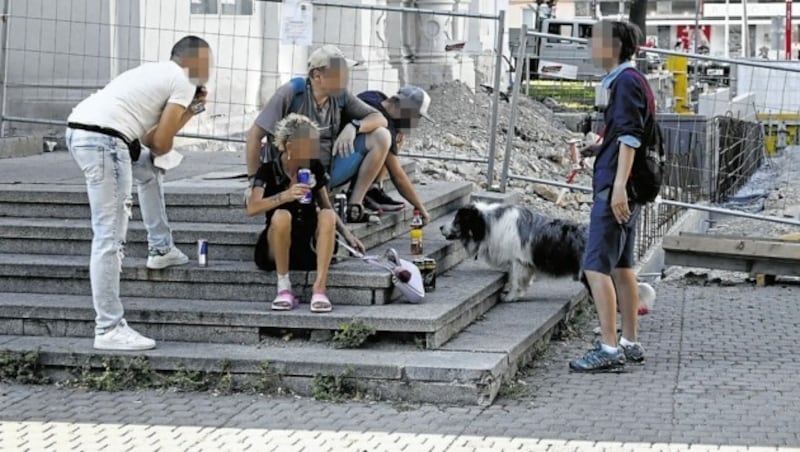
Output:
(158, 261)
(123, 337)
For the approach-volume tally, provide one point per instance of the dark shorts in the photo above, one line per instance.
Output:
(344, 169)
(610, 244)
(302, 252)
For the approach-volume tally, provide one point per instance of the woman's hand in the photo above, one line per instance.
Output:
(296, 192)
(353, 241)
(619, 204)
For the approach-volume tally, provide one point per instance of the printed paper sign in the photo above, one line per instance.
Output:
(558, 70)
(297, 22)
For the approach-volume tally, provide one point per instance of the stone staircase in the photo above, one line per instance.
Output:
(456, 347)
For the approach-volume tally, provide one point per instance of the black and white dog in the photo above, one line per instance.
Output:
(520, 242)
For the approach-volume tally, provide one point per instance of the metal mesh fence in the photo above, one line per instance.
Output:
(58, 53)
(723, 119)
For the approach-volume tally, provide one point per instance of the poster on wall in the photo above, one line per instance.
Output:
(297, 22)
(686, 37)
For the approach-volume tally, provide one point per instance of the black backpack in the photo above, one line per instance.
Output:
(647, 173)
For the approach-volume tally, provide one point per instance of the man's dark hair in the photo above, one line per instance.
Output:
(188, 47)
(629, 37)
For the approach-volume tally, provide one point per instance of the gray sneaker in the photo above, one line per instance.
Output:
(634, 353)
(598, 360)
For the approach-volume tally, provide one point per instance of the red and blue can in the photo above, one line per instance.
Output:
(202, 253)
(304, 177)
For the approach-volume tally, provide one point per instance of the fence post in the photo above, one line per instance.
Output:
(4, 63)
(519, 66)
(498, 75)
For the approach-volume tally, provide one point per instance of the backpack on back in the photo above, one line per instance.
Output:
(296, 106)
(647, 173)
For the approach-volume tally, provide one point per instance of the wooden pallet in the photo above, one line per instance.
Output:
(765, 258)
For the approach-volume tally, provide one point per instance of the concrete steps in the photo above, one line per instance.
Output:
(467, 370)
(349, 282)
(227, 241)
(456, 347)
(461, 297)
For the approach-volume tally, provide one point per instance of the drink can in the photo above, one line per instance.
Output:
(202, 252)
(427, 269)
(341, 206)
(304, 177)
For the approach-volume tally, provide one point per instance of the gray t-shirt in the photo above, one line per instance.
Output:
(328, 116)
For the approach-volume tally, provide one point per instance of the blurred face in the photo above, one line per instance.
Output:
(198, 66)
(334, 78)
(407, 116)
(304, 146)
(605, 49)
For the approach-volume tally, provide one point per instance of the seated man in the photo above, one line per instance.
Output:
(402, 112)
(300, 231)
(356, 149)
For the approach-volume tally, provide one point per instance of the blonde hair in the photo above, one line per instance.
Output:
(292, 127)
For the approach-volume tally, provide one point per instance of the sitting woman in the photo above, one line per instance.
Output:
(300, 233)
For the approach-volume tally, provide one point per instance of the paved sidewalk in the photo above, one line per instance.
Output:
(722, 374)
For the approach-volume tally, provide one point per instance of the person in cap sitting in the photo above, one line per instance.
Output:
(403, 112)
(353, 150)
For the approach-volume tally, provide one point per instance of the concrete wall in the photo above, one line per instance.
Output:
(720, 103)
(70, 48)
(774, 90)
(64, 43)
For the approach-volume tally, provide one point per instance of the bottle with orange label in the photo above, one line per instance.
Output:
(416, 233)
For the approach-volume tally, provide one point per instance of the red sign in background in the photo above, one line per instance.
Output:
(685, 35)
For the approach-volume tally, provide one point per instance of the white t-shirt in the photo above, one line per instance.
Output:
(133, 102)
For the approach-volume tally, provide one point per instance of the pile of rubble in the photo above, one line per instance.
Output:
(460, 140)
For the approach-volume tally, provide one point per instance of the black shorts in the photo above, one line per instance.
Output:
(302, 252)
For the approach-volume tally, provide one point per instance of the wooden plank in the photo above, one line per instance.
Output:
(737, 237)
(741, 247)
(737, 264)
(682, 259)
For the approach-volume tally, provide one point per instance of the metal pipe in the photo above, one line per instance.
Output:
(498, 74)
(697, 5)
(399, 9)
(749, 63)
(668, 202)
(745, 32)
(521, 53)
(4, 49)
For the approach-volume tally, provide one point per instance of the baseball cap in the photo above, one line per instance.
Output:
(323, 56)
(414, 97)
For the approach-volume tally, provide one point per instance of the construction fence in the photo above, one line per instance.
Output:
(55, 54)
(722, 119)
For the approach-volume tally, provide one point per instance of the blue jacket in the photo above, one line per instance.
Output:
(625, 117)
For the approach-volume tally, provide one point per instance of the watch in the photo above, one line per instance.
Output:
(356, 123)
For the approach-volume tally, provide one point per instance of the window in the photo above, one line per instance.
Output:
(585, 31)
(559, 29)
(224, 7)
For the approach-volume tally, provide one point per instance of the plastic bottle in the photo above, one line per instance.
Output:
(416, 233)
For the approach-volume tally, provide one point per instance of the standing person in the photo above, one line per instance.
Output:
(297, 236)
(403, 112)
(355, 150)
(609, 255)
(145, 106)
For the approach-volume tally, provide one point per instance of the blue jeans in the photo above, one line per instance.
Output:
(109, 173)
(344, 169)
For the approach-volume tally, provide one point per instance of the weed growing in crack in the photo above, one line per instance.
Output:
(353, 334)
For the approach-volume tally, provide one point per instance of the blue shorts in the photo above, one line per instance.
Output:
(344, 169)
(610, 244)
